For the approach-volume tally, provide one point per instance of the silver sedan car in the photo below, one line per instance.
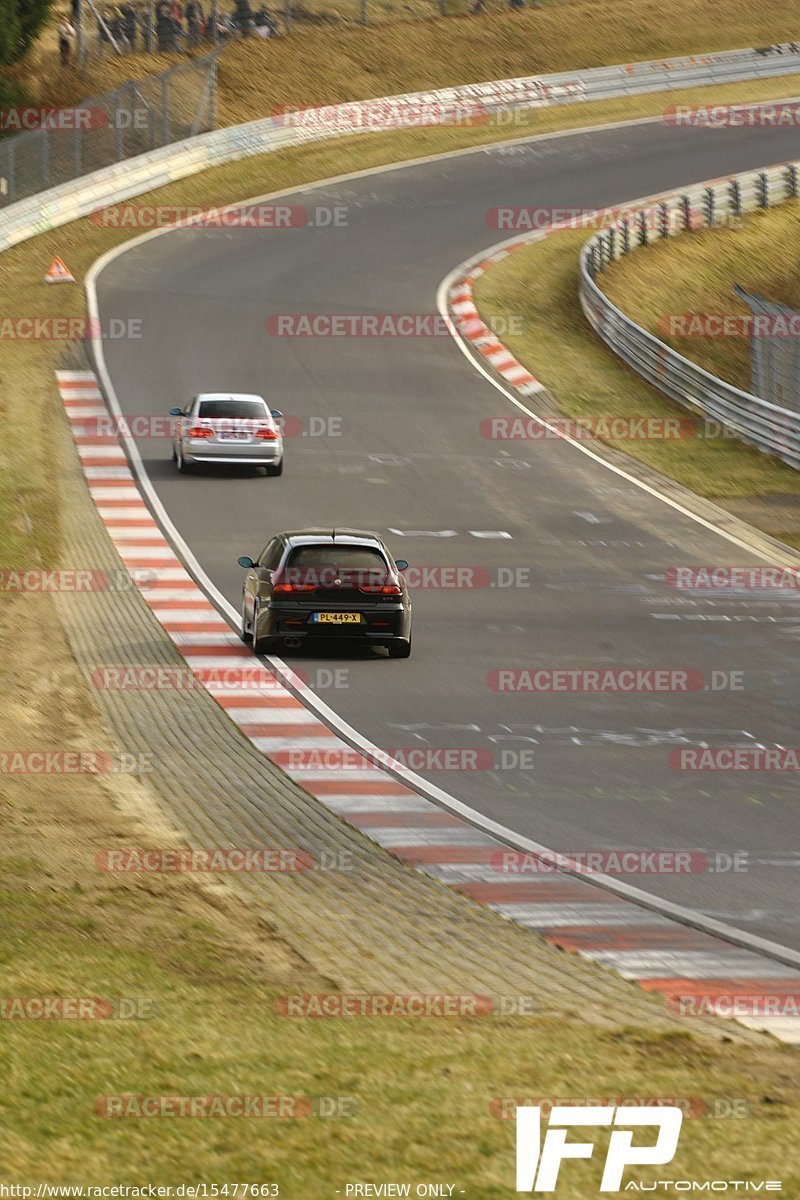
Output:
(227, 427)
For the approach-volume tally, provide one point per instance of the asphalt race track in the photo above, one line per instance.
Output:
(410, 456)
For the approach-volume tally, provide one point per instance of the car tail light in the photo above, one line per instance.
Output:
(286, 589)
(200, 431)
(381, 589)
(268, 435)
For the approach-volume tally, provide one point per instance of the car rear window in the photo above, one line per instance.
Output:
(253, 410)
(346, 558)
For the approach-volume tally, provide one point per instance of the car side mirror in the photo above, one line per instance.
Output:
(276, 412)
(401, 564)
(245, 561)
(176, 412)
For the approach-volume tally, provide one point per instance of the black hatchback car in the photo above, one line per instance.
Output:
(326, 583)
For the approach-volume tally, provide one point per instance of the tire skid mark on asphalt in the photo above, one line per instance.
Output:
(569, 912)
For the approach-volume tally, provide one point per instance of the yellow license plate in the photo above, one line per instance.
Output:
(340, 618)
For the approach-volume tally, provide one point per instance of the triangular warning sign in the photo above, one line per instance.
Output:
(57, 272)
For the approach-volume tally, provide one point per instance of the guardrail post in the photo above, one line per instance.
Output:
(641, 223)
(612, 245)
(686, 210)
(663, 219)
(591, 264)
(11, 164)
(736, 198)
(625, 234)
(791, 181)
(709, 205)
(165, 110)
(762, 190)
(119, 141)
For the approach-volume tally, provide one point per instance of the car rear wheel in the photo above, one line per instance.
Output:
(399, 649)
(273, 469)
(181, 462)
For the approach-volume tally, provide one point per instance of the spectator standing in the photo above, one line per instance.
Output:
(176, 17)
(194, 21)
(127, 16)
(66, 36)
(163, 26)
(243, 17)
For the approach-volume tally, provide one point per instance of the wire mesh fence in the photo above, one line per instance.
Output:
(139, 116)
(774, 351)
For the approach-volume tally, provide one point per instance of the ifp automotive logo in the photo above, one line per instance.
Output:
(538, 1162)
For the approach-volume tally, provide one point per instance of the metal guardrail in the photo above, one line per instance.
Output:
(768, 426)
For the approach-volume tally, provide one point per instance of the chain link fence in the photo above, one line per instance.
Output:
(137, 117)
(774, 350)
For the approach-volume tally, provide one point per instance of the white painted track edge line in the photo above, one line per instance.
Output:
(682, 915)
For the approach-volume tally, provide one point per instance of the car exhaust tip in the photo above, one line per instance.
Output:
(292, 643)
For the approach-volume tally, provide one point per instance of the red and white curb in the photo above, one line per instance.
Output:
(468, 321)
(472, 327)
(689, 966)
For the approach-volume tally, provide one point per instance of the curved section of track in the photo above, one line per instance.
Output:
(411, 457)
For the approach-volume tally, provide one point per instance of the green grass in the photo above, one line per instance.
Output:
(418, 1092)
(539, 286)
(696, 274)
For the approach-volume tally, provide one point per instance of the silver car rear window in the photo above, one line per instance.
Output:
(253, 410)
